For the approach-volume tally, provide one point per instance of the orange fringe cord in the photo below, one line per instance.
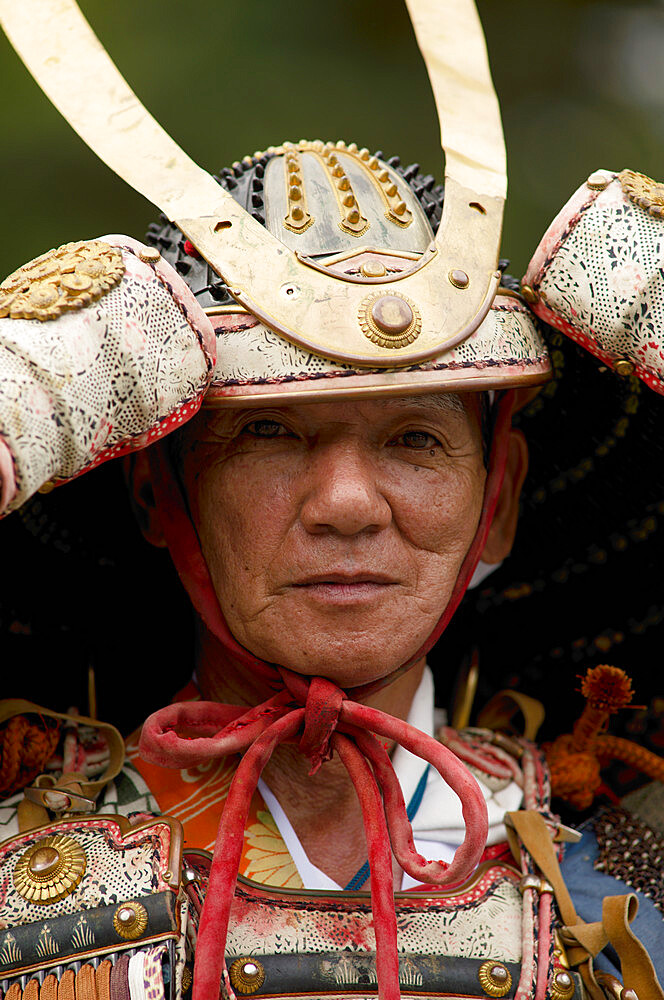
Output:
(25, 747)
(576, 759)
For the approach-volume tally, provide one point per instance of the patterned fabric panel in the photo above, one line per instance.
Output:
(479, 920)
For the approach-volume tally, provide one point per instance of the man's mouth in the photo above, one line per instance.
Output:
(346, 588)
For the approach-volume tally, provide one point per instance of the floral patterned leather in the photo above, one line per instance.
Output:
(598, 276)
(103, 380)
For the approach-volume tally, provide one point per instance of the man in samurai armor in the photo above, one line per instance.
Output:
(323, 426)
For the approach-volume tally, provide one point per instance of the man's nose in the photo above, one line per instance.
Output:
(343, 494)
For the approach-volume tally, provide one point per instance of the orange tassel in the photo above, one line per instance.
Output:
(575, 759)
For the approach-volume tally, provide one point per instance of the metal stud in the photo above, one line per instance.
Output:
(495, 978)
(343, 183)
(150, 255)
(624, 367)
(562, 986)
(597, 181)
(364, 153)
(130, 920)
(459, 278)
(246, 975)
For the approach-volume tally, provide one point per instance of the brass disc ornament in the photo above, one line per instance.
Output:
(390, 319)
(61, 280)
(50, 870)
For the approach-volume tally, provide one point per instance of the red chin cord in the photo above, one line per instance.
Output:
(322, 719)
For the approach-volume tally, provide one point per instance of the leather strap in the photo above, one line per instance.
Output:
(637, 969)
(586, 940)
(500, 710)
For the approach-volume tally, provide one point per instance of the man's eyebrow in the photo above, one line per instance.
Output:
(448, 401)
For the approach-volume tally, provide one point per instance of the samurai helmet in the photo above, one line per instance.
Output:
(335, 279)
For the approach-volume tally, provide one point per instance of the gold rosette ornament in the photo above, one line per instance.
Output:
(50, 870)
(61, 280)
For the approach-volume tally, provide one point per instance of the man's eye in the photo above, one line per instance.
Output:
(417, 439)
(265, 428)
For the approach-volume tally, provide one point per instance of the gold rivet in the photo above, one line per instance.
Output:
(337, 170)
(373, 268)
(391, 190)
(130, 920)
(597, 181)
(623, 366)
(341, 144)
(343, 183)
(294, 192)
(352, 148)
(149, 255)
(400, 208)
(529, 294)
(364, 153)
(349, 200)
(297, 213)
(318, 145)
(246, 975)
(247, 160)
(373, 163)
(383, 176)
(353, 216)
(495, 978)
(459, 278)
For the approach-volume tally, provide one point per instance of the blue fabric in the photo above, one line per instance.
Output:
(588, 888)
(362, 874)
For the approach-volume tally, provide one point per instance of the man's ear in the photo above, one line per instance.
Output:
(137, 473)
(503, 529)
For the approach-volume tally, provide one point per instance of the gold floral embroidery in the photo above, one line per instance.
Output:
(266, 858)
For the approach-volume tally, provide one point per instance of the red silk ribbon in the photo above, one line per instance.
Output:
(322, 719)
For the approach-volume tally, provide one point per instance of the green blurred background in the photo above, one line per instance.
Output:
(580, 83)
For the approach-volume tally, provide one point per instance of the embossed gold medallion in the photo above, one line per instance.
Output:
(67, 278)
(130, 920)
(50, 870)
(643, 191)
(390, 319)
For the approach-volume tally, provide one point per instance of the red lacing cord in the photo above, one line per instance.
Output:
(321, 718)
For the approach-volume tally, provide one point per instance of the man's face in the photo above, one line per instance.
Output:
(334, 532)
